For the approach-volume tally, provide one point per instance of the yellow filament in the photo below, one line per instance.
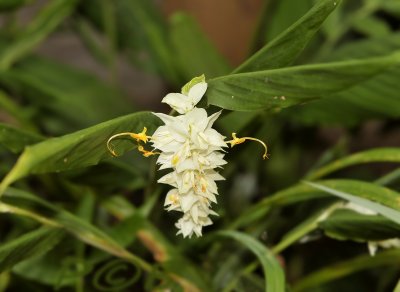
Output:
(137, 136)
(236, 141)
(147, 153)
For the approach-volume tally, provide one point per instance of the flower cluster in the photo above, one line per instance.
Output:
(188, 145)
(192, 148)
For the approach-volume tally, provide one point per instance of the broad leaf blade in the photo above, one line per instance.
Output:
(284, 49)
(80, 149)
(281, 88)
(274, 275)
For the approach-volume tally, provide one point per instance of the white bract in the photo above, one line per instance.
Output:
(192, 148)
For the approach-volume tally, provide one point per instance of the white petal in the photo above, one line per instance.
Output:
(165, 118)
(179, 102)
(197, 92)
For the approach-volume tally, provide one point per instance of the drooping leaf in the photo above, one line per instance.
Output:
(77, 150)
(345, 224)
(72, 95)
(34, 243)
(44, 23)
(15, 139)
(377, 98)
(283, 50)
(281, 88)
(368, 156)
(376, 198)
(345, 268)
(193, 51)
(274, 275)
(48, 214)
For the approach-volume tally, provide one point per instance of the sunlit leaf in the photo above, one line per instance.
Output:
(80, 149)
(281, 88)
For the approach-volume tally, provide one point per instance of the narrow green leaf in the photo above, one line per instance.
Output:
(345, 268)
(34, 243)
(377, 98)
(346, 224)
(369, 156)
(274, 275)
(60, 218)
(367, 195)
(66, 92)
(193, 51)
(47, 20)
(281, 88)
(285, 48)
(15, 139)
(80, 149)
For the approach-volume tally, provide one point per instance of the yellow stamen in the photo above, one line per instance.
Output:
(236, 141)
(147, 153)
(137, 136)
(141, 136)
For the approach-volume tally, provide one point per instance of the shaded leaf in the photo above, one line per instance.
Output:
(284, 49)
(274, 275)
(75, 95)
(15, 139)
(34, 243)
(346, 224)
(369, 156)
(345, 268)
(194, 53)
(44, 23)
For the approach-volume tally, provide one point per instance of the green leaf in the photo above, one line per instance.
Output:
(377, 98)
(285, 48)
(44, 23)
(369, 156)
(15, 139)
(376, 198)
(345, 268)
(372, 26)
(68, 93)
(281, 88)
(34, 243)
(77, 150)
(345, 224)
(194, 53)
(7, 5)
(49, 214)
(274, 275)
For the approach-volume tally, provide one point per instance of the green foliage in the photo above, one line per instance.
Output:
(78, 219)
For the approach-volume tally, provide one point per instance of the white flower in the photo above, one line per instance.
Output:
(190, 96)
(192, 148)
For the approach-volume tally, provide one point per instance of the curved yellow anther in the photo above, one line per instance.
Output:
(236, 141)
(109, 145)
(147, 153)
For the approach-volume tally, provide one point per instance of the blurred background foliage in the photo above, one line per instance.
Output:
(78, 220)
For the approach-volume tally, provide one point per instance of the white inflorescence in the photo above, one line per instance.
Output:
(189, 145)
(192, 148)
